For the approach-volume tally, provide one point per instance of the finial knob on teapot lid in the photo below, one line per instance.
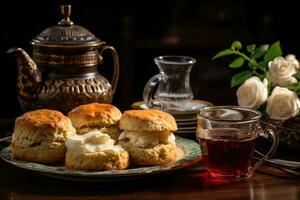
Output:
(66, 12)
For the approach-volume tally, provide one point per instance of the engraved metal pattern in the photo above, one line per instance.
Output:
(29, 76)
(88, 87)
(52, 59)
(64, 35)
(66, 94)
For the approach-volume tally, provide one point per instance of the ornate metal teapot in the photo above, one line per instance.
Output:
(64, 70)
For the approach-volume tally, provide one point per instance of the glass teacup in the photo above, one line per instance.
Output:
(227, 136)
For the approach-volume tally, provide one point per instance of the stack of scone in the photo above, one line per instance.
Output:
(40, 135)
(94, 147)
(148, 136)
(96, 116)
(47, 136)
(95, 151)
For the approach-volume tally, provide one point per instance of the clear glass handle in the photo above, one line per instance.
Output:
(269, 130)
(149, 91)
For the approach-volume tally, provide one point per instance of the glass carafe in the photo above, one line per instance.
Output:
(171, 88)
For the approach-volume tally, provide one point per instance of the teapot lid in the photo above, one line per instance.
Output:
(65, 33)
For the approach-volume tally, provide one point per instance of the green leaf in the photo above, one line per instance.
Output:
(251, 48)
(269, 86)
(295, 87)
(262, 76)
(273, 52)
(263, 110)
(297, 76)
(252, 64)
(262, 65)
(222, 53)
(238, 62)
(236, 45)
(240, 78)
(260, 51)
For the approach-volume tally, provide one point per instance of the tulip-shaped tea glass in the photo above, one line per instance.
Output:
(171, 88)
(227, 136)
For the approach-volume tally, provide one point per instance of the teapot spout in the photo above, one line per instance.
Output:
(29, 76)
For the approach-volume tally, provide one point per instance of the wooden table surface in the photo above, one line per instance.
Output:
(190, 183)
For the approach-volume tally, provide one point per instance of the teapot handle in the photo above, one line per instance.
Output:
(114, 53)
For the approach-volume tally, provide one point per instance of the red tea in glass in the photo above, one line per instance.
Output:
(227, 152)
(227, 136)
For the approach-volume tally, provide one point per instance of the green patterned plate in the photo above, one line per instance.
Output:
(188, 153)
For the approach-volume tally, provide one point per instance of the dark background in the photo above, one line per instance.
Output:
(141, 30)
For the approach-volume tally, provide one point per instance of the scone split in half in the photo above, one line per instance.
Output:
(96, 116)
(148, 136)
(95, 151)
(39, 136)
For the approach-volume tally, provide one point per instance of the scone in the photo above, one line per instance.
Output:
(39, 136)
(95, 151)
(95, 116)
(148, 136)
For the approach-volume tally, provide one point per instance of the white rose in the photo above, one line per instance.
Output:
(281, 70)
(291, 58)
(282, 104)
(252, 93)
